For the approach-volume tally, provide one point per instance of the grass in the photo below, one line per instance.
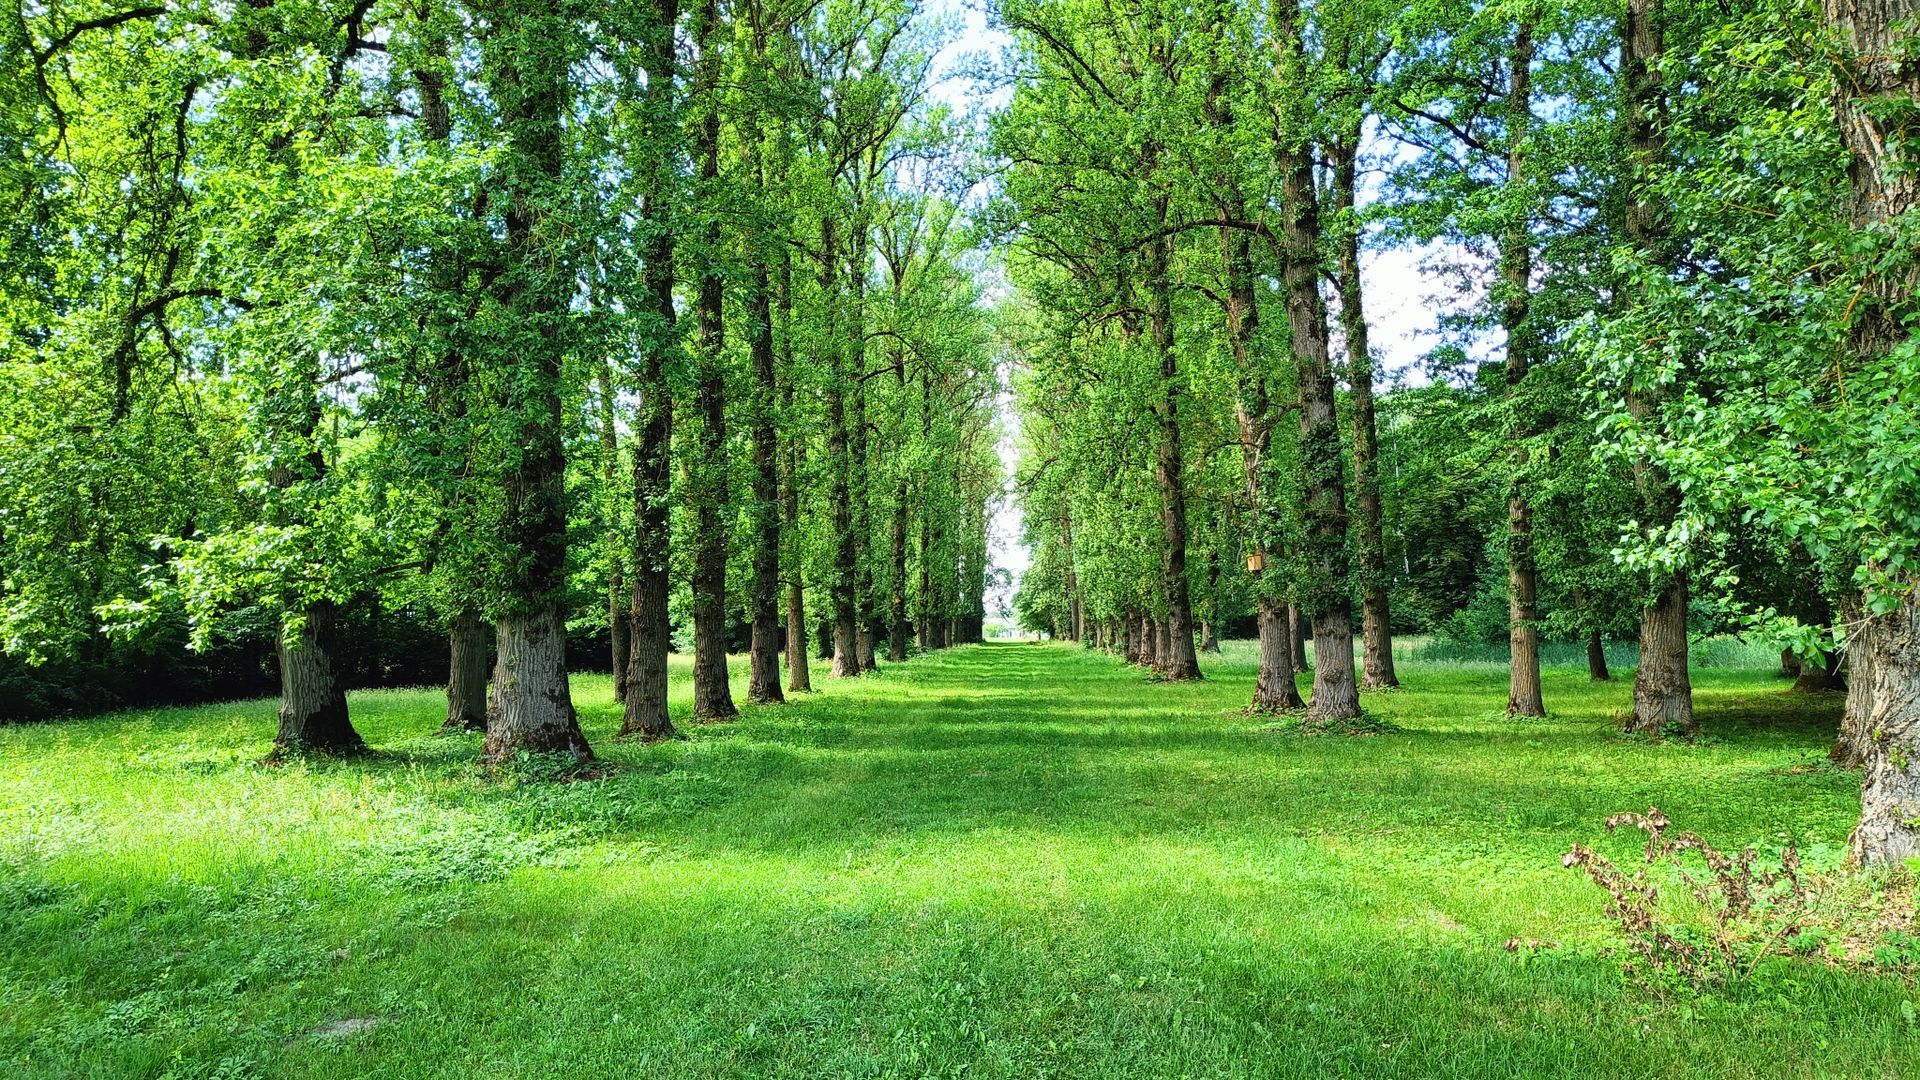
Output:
(1007, 860)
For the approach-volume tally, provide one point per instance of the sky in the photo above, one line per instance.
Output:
(1403, 302)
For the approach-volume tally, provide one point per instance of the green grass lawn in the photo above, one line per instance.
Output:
(1008, 860)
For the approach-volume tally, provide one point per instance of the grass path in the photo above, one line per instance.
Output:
(1002, 861)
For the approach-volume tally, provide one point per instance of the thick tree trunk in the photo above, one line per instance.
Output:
(535, 712)
(313, 702)
(1167, 647)
(533, 708)
(1328, 595)
(1850, 749)
(1597, 658)
(1662, 688)
(1889, 830)
(468, 647)
(1789, 663)
(1371, 552)
(645, 717)
(1516, 268)
(1274, 689)
(1209, 641)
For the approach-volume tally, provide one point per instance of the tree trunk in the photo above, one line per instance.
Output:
(1209, 641)
(763, 649)
(1371, 554)
(1336, 688)
(313, 703)
(1179, 662)
(846, 552)
(1789, 663)
(1850, 749)
(858, 266)
(535, 711)
(799, 677)
(1516, 305)
(712, 696)
(468, 646)
(1274, 689)
(1662, 688)
(1889, 830)
(533, 708)
(1816, 677)
(1597, 658)
(645, 717)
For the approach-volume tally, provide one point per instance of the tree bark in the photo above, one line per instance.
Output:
(313, 702)
(645, 717)
(1662, 687)
(1855, 742)
(1516, 268)
(1328, 597)
(535, 711)
(1662, 691)
(1274, 689)
(1371, 556)
(1597, 658)
(846, 552)
(468, 646)
(712, 696)
(799, 675)
(1875, 111)
(1889, 830)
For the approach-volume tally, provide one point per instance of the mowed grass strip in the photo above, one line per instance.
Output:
(1009, 860)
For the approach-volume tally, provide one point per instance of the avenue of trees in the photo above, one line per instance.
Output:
(1680, 390)
(350, 341)
(347, 340)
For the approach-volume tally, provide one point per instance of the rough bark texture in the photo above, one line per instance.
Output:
(1597, 658)
(763, 649)
(1889, 830)
(469, 643)
(1516, 268)
(1851, 747)
(1662, 690)
(313, 702)
(645, 717)
(1274, 688)
(1370, 554)
(1879, 96)
(1662, 687)
(533, 712)
(1336, 690)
